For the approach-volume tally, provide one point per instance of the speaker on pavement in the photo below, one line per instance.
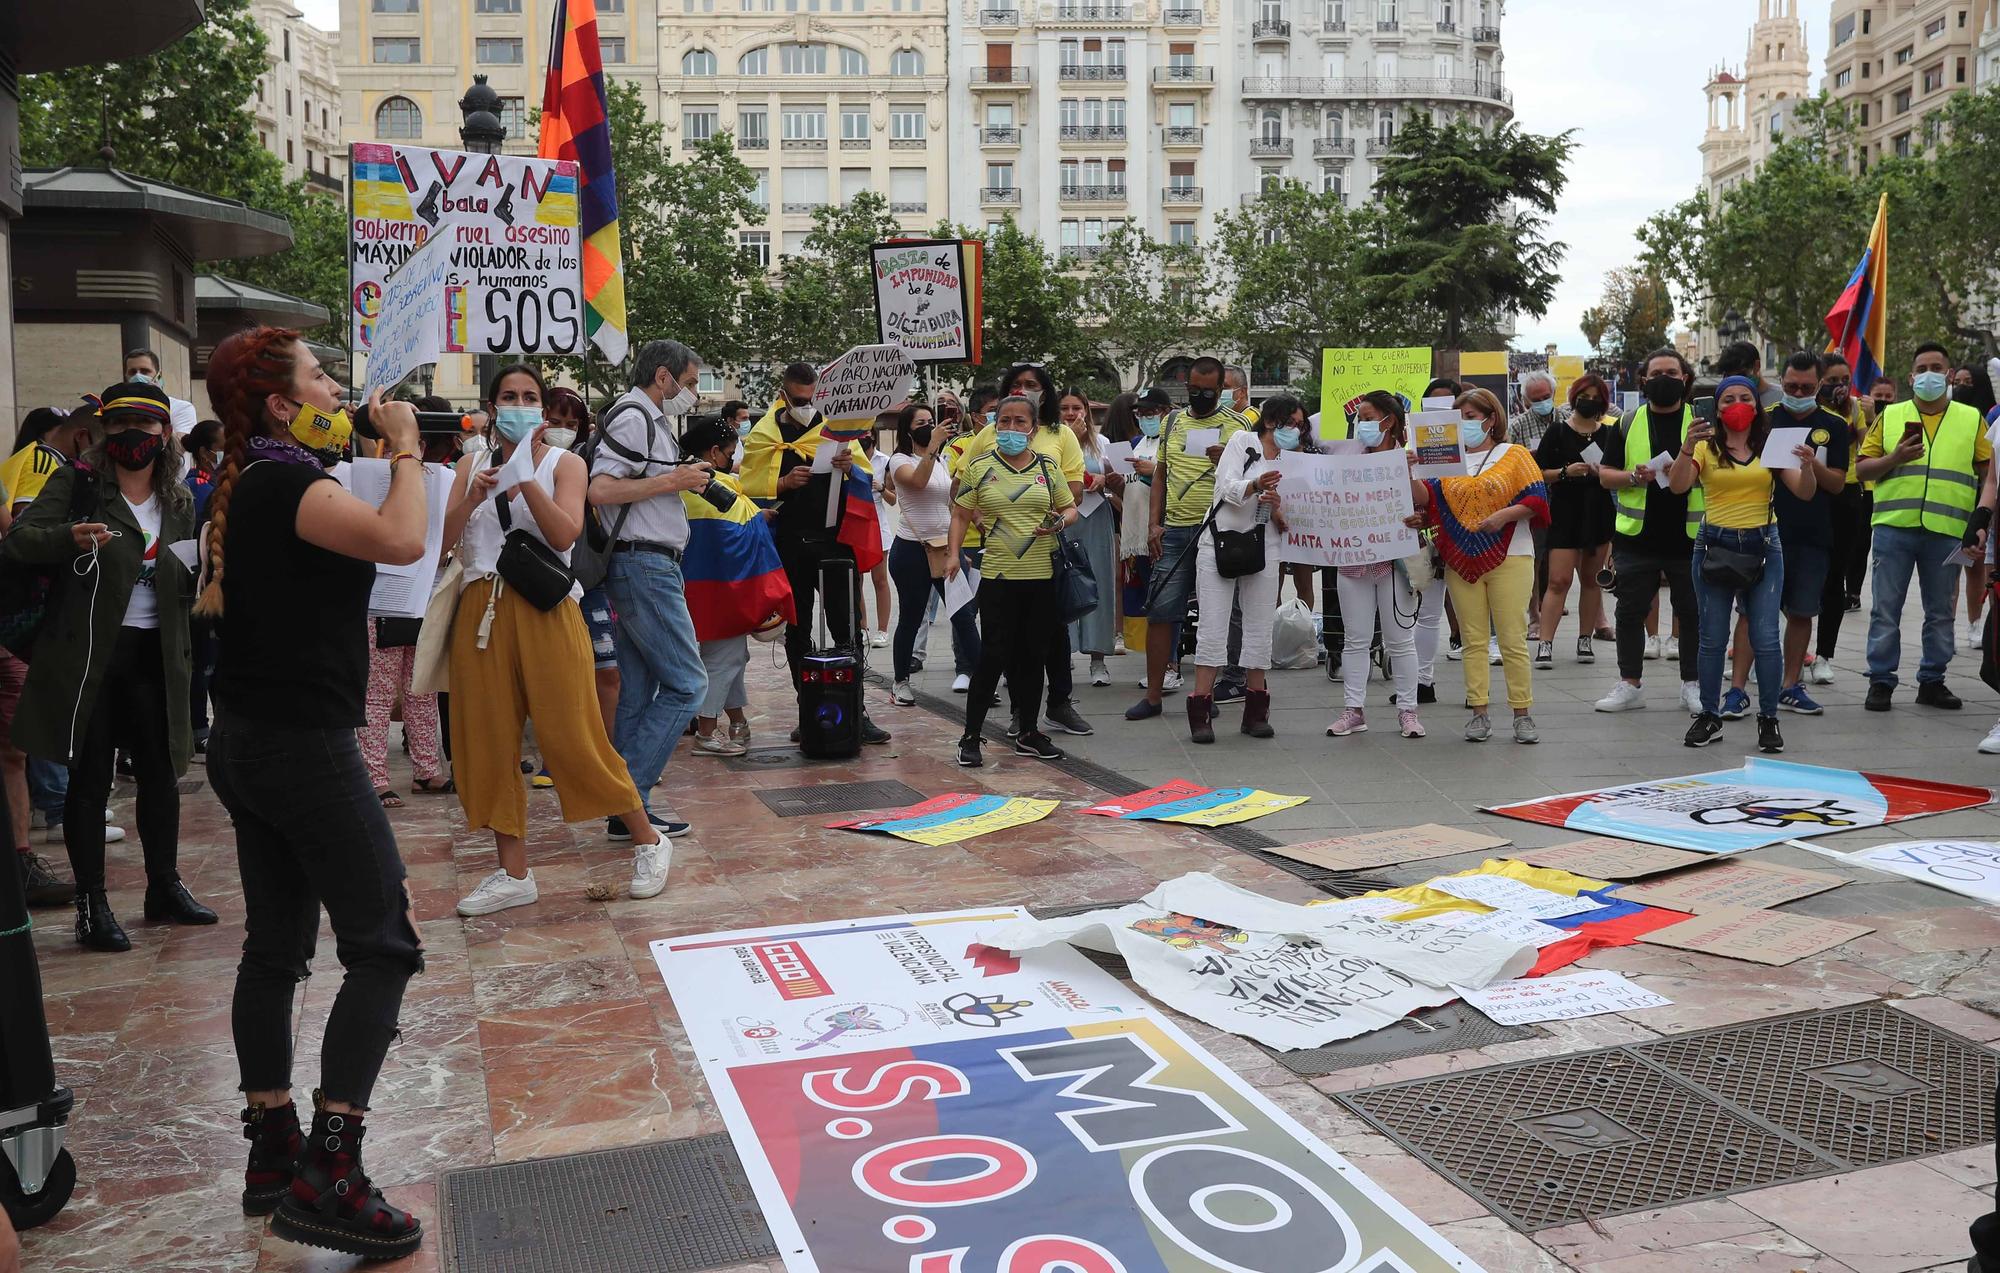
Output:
(830, 674)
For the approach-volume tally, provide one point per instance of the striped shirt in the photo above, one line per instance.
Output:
(23, 474)
(1191, 478)
(1013, 503)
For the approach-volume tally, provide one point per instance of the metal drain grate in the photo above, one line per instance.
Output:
(675, 1206)
(1865, 1084)
(838, 797)
(1450, 1028)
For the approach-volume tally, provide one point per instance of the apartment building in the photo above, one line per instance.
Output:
(1894, 62)
(1988, 73)
(1751, 107)
(297, 100)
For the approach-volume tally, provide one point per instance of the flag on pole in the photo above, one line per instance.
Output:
(575, 126)
(1858, 323)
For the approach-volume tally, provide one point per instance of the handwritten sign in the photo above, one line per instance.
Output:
(1436, 450)
(1345, 510)
(1760, 937)
(509, 223)
(1348, 373)
(410, 326)
(1606, 857)
(1754, 885)
(1971, 867)
(1585, 994)
(1386, 848)
(927, 298)
(861, 384)
(1512, 896)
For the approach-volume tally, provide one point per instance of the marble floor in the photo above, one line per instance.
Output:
(546, 1030)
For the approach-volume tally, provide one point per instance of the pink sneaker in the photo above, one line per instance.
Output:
(1350, 721)
(1411, 726)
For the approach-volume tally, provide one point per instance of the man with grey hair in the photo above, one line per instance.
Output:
(636, 479)
(1526, 429)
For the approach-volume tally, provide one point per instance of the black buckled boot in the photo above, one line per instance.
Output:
(96, 926)
(332, 1204)
(170, 900)
(273, 1133)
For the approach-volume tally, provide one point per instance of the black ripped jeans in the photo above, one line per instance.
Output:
(310, 832)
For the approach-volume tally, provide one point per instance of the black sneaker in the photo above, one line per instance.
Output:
(1769, 740)
(615, 828)
(1934, 694)
(1878, 696)
(968, 753)
(1013, 727)
(1333, 665)
(41, 883)
(872, 734)
(1706, 728)
(1228, 693)
(1064, 716)
(1038, 746)
(1426, 692)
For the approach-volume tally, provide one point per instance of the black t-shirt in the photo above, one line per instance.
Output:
(294, 631)
(1809, 522)
(802, 513)
(1665, 528)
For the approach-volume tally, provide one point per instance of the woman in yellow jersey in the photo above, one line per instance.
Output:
(1737, 558)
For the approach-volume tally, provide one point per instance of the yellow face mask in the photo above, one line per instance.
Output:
(324, 435)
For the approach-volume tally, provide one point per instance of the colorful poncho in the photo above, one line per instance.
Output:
(1459, 504)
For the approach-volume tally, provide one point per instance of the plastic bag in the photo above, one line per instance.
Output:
(1294, 644)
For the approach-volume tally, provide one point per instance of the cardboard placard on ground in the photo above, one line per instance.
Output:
(1387, 848)
(1729, 884)
(1606, 857)
(1761, 937)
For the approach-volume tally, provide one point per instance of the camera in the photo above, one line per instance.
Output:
(1607, 578)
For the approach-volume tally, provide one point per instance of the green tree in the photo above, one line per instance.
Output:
(1034, 310)
(1147, 298)
(1291, 265)
(315, 266)
(826, 290)
(1944, 232)
(1467, 213)
(1676, 252)
(1632, 318)
(1784, 245)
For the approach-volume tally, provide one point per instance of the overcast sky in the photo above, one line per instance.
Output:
(1629, 81)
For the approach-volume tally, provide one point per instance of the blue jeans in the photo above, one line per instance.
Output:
(1899, 551)
(910, 570)
(1760, 607)
(48, 788)
(661, 679)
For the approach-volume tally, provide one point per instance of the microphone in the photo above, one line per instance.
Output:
(429, 423)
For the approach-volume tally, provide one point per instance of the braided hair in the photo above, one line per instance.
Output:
(246, 368)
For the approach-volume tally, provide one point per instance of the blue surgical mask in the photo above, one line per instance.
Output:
(1930, 385)
(1472, 432)
(1547, 406)
(1287, 439)
(1010, 442)
(1801, 406)
(1369, 432)
(744, 426)
(517, 423)
(1149, 425)
(992, 417)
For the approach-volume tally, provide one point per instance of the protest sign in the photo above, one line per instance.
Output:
(509, 225)
(858, 386)
(1511, 928)
(1434, 444)
(1764, 802)
(1512, 896)
(1567, 369)
(1608, 858)
(1196, 805)
(863, 1066)
(1345, 510)
(1759, 937)
(927, 297)
(410, 331)
(1386, 848)
(951, 818)
(1751, 885)
(1348, 373)
(402, 592)
(1583, 994)
(1781, 446)
(1970, 867)
(1488, 370)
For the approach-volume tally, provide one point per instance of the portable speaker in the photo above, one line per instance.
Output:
(830, 675)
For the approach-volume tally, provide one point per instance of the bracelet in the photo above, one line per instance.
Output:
(405, 455)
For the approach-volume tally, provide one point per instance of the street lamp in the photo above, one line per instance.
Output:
(481, 132)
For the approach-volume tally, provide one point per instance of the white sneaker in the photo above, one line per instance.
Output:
(112, 835)
(498, 892)
(649, 868)
(961, 683)
(1990, 745)
(1172, 682)
(1691, 697)
(879, 640)
(1821, 672)
(1670, 648)
(904, 696)
(1099, 673)
(1973, 633)
(1493, 650)
(1652, 647)
(1624, 697)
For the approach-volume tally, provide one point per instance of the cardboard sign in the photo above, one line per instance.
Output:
(410, 327)
(1349, 373)
(509, 223)
(1435, 448)
(1760, 937)
(1488, 370)
(1387, 848)
(860, 385)
(1724, 885)
(927, 298)
(1345, 510)
(1969, 867)
(1567, 369)
(1584, 994)
(1609, 858)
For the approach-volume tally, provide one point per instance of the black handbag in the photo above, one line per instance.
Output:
(1076, 582)
(1731, 568)
(529, 566)
(1237, 552)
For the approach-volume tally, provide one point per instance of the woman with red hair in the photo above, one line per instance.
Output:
(291, 560)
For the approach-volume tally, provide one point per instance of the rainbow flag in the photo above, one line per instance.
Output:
(1858, 323)
(730, 569)
(575, 126)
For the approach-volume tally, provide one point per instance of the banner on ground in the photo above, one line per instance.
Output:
(858, 386)
(509, 223)
(1345, 510)
(1196, 805)
(1970, 867)
(1764, 802)
(927, 297)
(1349, 373)
(950, 818)
(410, 326)
(904, 1098)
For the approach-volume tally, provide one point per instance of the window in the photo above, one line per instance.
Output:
(753, 127)
(802, 59)
(497, 51)
(1181, 115)
(496, 6)
(805, 185)
(853, 62)
(698, 62)
(756, 244)
(1961, 71)
(1446, 66)
(288, 46)
(1902, 146)
(795, 242)
(1903, 55)
(1934, 28)
(611, 6)
(1385, 127)
(993, 229)
(1000, 176)
(1864, 114)
(698, 123)
(755, 62)
(760, 188)
(906, 62)
(288, 102)
(1069, 174)
(906, 125)
(398, 119)
(909, 189)
(1336, 124)
(1271, 127)
(1067, 112)
(1843, 31)
(394, 6)
(1864, 70)
(289, 157)
(514, 116)
(1180, 175)
(1072, 235)
(1180, 234)
(400, 50)
(1903, 102)
(999, 114)
(1333, 181)
(1114, 112)
(611, 50)
(804, 125)
(1180, 56)
(1270, 179)
(1843, 77)
(854, 123)
(852, 182)
(1934, 78)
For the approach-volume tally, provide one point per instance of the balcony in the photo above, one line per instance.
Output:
(1178, 136)
(1093, 13)
(1381, 146)
(1334, 26)
(753, 143)
(323, 183)
(1202, 77)
(1486, 35)
(1255, 197)
(1388, 26)
(1270, 29)
(1091, 194)
(1079, 253)
(1177, 195)
(909, 207)
(1181, 17)
(855, 143)
(999, 136)
(1291, 87)
(1447, 28)
(803, 207)
(1114, 74)
(909, 143)
(1007, 195)
(1093, 132)
(1333, 147)
(1000, 77)
(694, 143)
(806, 143)
(999, 18)
(1270, 147)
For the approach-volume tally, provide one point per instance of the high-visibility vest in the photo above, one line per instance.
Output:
(1937, 490)
(1639, 450)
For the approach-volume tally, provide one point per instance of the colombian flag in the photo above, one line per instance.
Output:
(764, 453)
(1858, 323)
(575, 127)
(733, 578)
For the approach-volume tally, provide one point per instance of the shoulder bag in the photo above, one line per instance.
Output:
(529, 566)
(1076, 584)
(1237, 552)
(590, 555)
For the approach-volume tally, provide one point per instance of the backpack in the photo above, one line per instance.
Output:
(28, 592)
(590, 555)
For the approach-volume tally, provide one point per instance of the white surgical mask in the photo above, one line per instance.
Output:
(681, 403)
(800, 415)
(562, 439)
(475, 444)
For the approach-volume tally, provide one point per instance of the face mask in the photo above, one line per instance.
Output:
(993, 417)
(800, 415)
(1801, 406)
(1009, 442)
(1546, 407)
(744, 426)
(681, 403)
(1149, 425)
(1590, 408)
(142, 378)
(1664, 392)
(474, 445)
(133, 449)
(1369, 432)
(517, 423)
(1287, 439)
(1202, 402)
(1930, 385)
(921, 435)
(1738, 416)
(562, 439)
(1472, 432)
(324, 435)
(1836, 396)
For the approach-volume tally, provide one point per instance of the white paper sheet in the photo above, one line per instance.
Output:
(1089, 504)
(959, 591)
(188, 551)
(1593, 454)
(1779, 445)
(1528, 932)
(823, 457)
(1118, 458)
(1197, 441)
(1585, 994)
(402, 592)
(1967, 867)
(519, 468)
(1662, 464)
(1512, 896)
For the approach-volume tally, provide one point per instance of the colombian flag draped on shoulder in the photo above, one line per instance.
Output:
(575, 126)
(764, 452)
(734, 580)
(1858, 323)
